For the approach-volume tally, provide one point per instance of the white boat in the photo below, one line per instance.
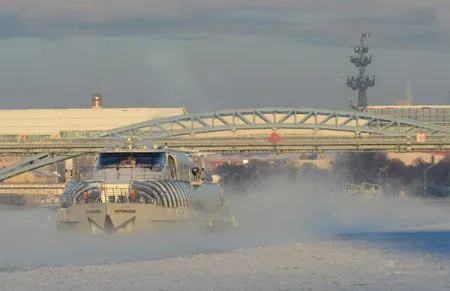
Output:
(135, 189)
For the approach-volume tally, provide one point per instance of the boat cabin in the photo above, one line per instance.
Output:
(117, 172)
(154, 161)
(121, 166)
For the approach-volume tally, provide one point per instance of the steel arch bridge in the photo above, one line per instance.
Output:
(314, 120)
(239, 123)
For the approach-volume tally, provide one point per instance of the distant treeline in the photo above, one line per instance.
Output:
(355, 168)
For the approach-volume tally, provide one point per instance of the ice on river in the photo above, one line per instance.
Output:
(286, 241)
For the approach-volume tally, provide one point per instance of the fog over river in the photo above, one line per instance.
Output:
(279, 217)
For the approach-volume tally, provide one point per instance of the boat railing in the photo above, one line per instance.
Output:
(123, 174)
(108, 195)
(363, 188)
(122, 191)
(117, 174)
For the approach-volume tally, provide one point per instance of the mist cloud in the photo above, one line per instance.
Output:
(405, 23)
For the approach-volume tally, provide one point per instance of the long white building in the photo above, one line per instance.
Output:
(76, 121)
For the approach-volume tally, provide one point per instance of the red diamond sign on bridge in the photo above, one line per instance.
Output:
(274, 138)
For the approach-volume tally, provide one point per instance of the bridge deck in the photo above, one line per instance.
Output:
(437, 143)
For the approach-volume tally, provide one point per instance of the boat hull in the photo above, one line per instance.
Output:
(110, 218)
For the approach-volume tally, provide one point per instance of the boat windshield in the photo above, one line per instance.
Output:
(152, 161)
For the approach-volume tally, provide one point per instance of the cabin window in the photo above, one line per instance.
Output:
(153, 161)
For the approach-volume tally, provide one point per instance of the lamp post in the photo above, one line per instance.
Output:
(226, 180)
(425, 171)
(239, 176)
(345, 173)
(383, 181)
(351, 175)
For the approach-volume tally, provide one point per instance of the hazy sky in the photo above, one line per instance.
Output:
(218, 54)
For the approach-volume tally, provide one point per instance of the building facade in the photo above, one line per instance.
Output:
(435, 114)
(80, 122)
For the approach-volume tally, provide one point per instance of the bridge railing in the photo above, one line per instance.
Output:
(7, 139)
(362, 188)
(284, 139)
(305, 139)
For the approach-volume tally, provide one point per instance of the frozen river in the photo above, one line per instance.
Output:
(330, 230)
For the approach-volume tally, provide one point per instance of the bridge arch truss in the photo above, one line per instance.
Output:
(292, 120)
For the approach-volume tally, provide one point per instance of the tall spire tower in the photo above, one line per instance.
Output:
(408, 95)
(361, 82)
